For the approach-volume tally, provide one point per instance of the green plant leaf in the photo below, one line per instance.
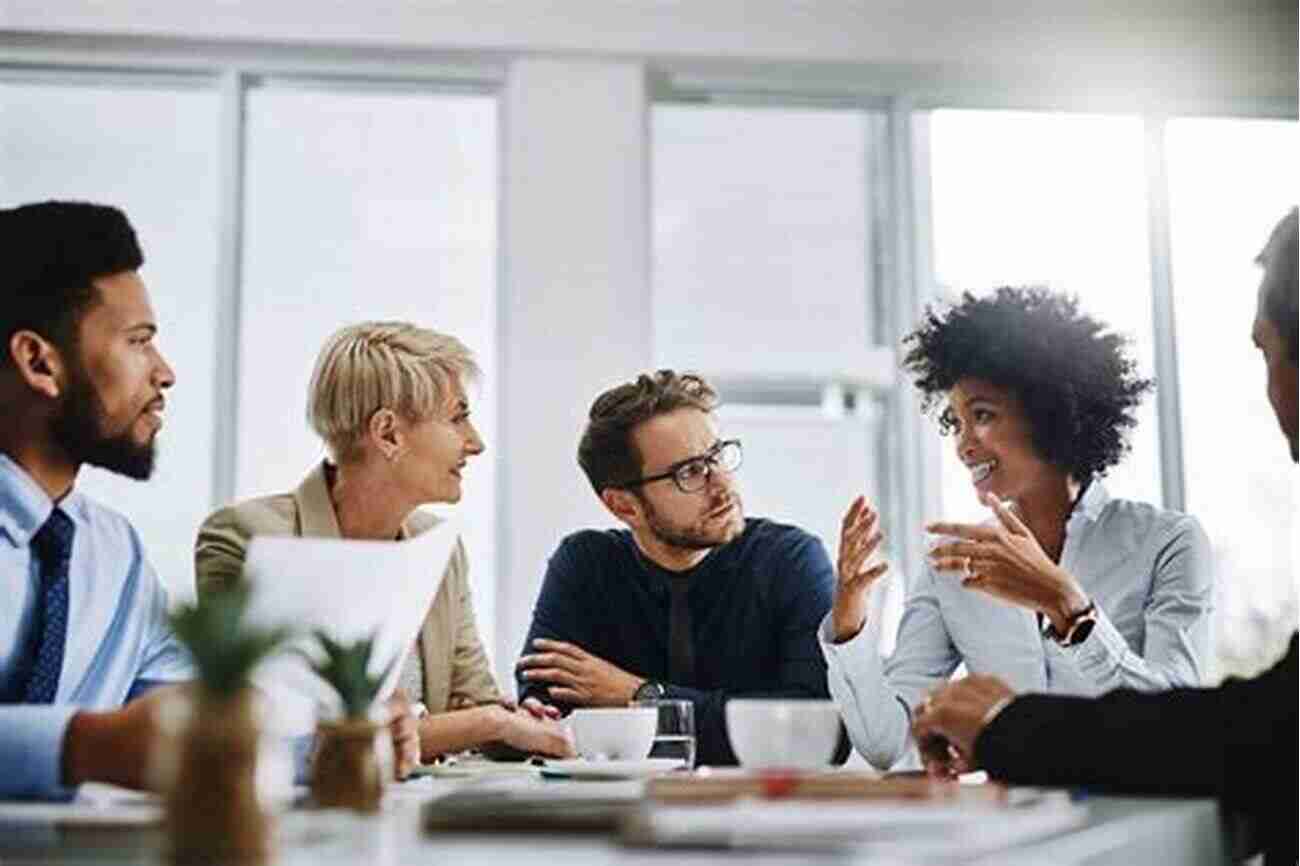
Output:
(344, 667)
(224, 650)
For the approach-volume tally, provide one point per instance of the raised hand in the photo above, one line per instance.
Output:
(1008, 563)
(859, 538)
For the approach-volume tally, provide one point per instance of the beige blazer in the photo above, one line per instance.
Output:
(456, 671)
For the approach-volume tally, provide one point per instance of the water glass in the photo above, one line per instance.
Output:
(675, 736)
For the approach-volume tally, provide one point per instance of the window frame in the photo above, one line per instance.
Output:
(899, 190)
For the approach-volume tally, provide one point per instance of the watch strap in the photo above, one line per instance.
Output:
(1080, 626)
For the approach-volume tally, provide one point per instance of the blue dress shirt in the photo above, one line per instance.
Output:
(1150, 572)
(118, 641)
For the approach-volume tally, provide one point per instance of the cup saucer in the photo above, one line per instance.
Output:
(581, 768)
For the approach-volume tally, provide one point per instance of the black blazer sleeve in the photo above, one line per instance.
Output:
(1236, 742)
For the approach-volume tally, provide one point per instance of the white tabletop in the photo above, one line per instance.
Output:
(1116, 830)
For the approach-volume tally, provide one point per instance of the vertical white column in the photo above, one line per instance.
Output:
(225, 391)
(575, 311)
(906, 281)
(1168, 391)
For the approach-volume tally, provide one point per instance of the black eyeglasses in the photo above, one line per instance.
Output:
(692, 474)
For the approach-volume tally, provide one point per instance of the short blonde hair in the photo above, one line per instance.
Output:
(370, 366)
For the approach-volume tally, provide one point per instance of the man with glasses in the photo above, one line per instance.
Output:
(691, 601)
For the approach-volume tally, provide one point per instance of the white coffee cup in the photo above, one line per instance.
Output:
(788, 734)
(614, 733)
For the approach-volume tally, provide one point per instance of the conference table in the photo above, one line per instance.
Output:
(1116, 830)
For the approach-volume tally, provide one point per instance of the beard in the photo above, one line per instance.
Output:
(696, 537)
(79, 429)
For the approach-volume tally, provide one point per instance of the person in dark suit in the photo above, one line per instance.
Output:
(1236, 742)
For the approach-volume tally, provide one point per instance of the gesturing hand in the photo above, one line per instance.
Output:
(575, 676)
(859, 538)
(1007, 562)
(951, 719)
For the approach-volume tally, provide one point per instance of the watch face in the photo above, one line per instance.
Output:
(1082, 630)
(648, 691)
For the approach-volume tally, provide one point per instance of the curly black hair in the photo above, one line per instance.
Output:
(1074, 377)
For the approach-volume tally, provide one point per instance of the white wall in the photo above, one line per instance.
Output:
(1143, 50)
(575, 303)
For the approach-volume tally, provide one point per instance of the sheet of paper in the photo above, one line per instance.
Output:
(349, 589)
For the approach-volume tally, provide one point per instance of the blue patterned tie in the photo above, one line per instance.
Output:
(52, 544)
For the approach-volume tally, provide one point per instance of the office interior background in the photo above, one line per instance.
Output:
(766, 192)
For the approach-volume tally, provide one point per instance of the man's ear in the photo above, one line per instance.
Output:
(386, 433)
(623, 504)
(39, 363)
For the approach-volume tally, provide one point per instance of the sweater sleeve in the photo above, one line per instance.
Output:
(557, 614)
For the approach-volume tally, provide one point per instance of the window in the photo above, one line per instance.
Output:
(364, 205)
(762, 282)
(148, 146)
(1057, 199)
(1230, 181)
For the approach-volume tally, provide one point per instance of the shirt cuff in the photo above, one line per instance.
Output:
(1097, 656)
(31, 750)
(858, 645)
(856, 678)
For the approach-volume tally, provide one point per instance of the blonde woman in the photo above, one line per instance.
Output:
(389, 401)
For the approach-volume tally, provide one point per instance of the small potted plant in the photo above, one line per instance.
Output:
(214, 814)
(347, 771)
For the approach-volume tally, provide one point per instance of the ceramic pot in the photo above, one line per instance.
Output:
(347, 771)
(214, 814)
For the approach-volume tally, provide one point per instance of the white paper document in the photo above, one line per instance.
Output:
(350, 590)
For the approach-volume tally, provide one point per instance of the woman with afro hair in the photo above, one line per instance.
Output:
(1065, 589)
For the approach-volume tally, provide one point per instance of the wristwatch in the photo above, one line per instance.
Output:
(649, 691)
(1078, 629)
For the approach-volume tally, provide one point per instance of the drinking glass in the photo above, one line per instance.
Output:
(675, 736)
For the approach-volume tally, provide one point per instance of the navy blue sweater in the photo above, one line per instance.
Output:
(755, 605)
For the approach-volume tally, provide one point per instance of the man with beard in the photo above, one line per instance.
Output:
(692, 600)
(1236, 742)
(83, 629)
(83, 626)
